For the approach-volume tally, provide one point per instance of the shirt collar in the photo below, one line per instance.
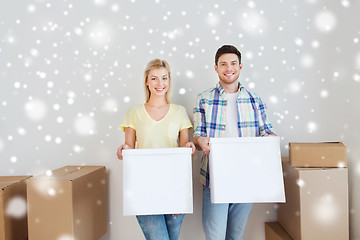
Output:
(222, 90)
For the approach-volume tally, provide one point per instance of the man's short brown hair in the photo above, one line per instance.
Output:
(226, 49)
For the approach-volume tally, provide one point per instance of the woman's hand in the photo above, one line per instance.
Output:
(192, 146)
(119, 150)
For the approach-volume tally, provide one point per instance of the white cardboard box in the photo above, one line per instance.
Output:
(157, 181)
(246, 170)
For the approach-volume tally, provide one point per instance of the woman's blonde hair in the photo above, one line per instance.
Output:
(156, 63)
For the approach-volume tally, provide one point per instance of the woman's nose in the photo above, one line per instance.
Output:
(158, 82)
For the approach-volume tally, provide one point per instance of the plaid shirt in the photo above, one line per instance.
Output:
(210, 118)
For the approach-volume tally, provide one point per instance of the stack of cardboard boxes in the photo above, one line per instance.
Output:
(66, 203)
(316, 187)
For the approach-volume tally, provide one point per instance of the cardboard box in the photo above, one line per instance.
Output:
(69, 203)
(317, 203)
(327, 154)
(13, 212)
(273, 231)
(157, 181)
(251, 165)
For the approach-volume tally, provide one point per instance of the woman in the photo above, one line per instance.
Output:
(157, 124)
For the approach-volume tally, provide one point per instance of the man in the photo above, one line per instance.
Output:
(227, 110)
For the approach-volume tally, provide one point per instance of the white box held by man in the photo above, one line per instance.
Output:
(246, 170)
(157, 181)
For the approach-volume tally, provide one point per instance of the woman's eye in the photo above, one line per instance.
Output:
(164, 79)
(153, 78)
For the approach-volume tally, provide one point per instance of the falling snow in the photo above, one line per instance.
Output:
(35, 109)
(325, 210)
(325, 21)
(1, 145)
(16, 207)
(70, 70)
(182, 91)
(312, 126)
(65, 237)
(110, 105)
(357, 61)
(307, 61)
(253, 22)
(84, 125)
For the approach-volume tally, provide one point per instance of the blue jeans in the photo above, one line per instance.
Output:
(224, 220)
(160, 227)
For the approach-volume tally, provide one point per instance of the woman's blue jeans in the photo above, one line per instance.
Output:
(224, 221)
(160, 227)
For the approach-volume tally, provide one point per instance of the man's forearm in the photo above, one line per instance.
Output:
(196, 138)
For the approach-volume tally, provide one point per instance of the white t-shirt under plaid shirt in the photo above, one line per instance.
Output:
(210, 118)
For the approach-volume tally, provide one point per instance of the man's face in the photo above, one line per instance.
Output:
(228, 68)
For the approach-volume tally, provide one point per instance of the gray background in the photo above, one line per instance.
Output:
(70, 69)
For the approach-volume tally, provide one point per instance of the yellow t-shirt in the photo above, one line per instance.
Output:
(156, 134)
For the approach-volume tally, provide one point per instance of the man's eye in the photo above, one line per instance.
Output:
(153, 78)
(164, 79)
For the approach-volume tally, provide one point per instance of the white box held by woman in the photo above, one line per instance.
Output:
(157, 181)
(246, 170)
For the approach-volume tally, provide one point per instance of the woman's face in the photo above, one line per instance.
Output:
(158, 82)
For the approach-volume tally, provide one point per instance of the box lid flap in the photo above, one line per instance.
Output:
(68, 172)
(8, 180)
(312, 144)
(308, 169)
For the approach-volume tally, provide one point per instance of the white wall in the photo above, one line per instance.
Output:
(70, 69)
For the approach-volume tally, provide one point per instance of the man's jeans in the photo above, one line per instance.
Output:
(160, 227)
(224, 221)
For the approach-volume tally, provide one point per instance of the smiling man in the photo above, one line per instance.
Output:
(227, 110)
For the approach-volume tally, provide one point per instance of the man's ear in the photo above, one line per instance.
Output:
(215, 67)
(240, 65)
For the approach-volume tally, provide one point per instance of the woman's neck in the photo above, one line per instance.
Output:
(157, 101)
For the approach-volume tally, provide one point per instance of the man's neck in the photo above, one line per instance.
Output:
(230, 88)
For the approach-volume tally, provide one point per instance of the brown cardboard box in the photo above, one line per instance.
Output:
(273, 231)
(13, 226)
(316, 203)
(70, 203)
(331, 154)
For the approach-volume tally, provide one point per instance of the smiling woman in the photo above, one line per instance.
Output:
(158, 82)
(157, 124)
(155, 71)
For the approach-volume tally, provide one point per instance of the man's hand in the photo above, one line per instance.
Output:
(119, 151)
(202, 143)
(272, 135)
